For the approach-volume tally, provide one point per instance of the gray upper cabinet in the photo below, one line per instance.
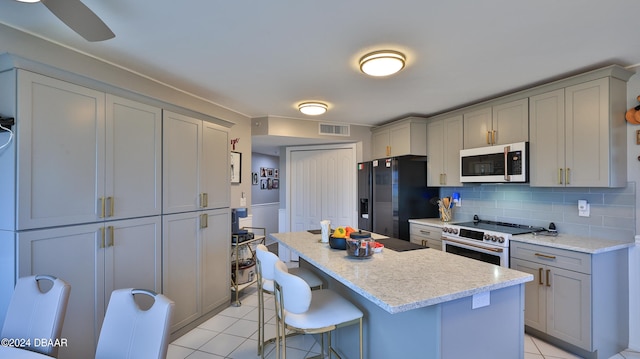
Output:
(497, 125)
(404, 137)
(444, 142)
(578, 135)
(83, 155)
(195, 164)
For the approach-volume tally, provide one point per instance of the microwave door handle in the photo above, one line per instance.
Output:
(507, 149)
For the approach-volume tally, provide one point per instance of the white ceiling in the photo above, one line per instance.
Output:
(263, 57)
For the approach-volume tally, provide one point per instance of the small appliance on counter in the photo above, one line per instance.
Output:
(239, 235)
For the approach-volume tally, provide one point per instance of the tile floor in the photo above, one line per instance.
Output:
(233, 334)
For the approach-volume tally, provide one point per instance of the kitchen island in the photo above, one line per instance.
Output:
(421, 303)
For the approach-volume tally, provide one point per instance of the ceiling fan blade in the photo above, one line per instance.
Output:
(80, 19)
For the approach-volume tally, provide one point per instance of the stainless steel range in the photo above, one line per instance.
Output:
(483, 240)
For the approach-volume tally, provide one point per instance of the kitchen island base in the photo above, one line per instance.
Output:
(449, 330)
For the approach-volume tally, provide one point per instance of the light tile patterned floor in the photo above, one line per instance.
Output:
(233, 334)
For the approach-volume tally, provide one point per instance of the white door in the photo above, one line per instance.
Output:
(322, 185)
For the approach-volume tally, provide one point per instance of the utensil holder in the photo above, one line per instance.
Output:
(445, 214)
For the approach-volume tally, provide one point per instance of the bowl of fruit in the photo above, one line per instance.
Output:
(338, 240)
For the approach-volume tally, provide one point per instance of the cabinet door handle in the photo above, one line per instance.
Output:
(548, 272)
(204, 220)
(111, 236)
(540, 276)
(493, 137)
(111, 206)
(488, 139)
(425, 232)
(204, 200)
(388, 150)
(567, 175)
(102, 207)
(559, 175)
(545, 256)
(101, 237)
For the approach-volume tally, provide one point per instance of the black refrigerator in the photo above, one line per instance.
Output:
(398, 192)
(365, 196)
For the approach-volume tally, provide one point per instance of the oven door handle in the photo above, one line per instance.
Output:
(496, 250)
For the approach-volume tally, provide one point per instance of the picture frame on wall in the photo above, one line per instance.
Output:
(263, 184)
(236, 167)
(263, 172)
(254, 178)
(275, 173)
(269, 172)
(276, 184)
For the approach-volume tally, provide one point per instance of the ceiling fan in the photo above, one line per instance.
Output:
(79, 18)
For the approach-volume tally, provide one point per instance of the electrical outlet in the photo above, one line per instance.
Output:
(584, 208)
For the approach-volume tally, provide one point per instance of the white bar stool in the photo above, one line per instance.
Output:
(266, 261)
(300, 310)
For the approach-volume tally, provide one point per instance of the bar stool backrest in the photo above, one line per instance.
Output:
(296, 293)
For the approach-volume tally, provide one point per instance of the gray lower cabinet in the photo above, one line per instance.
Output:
(425, 235)
(196, 257)
(94, 259)
(577, 300)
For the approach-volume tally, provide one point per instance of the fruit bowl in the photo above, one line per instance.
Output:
(337, 243)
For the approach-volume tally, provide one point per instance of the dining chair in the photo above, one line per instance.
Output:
(266, 261)
(130, 332)
(36, 313)
(300, 310)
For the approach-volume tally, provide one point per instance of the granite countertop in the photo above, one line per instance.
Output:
(402, 281)
(435, 222)
(562, 241)
(574, 243)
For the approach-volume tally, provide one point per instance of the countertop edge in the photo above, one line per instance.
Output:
(414, 305)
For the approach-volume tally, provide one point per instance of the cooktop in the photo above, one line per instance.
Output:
(503, 227)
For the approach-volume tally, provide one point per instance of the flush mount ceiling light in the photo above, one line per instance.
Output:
(382, 63)
(312, 108)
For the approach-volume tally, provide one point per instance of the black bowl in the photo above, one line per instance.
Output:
(337, 243)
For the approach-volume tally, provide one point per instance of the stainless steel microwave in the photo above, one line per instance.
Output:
(496, 164)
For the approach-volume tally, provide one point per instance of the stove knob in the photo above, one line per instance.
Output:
(486, 237)
(500, 239)
(455, 231)
(494, 238)
(445, 230)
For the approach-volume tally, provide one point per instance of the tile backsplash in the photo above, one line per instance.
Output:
(612, 209)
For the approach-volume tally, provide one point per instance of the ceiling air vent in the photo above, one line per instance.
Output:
(334, 130)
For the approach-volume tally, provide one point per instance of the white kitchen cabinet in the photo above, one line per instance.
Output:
(80, 160)
(578, 136)
(497, 125)
(444, 142)
(425, 235)
(196, 263)
(576, 298)
(404, 137)
(94, 259)
(195, 164)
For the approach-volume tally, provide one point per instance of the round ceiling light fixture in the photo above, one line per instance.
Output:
(382, 63)
(313, 108)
